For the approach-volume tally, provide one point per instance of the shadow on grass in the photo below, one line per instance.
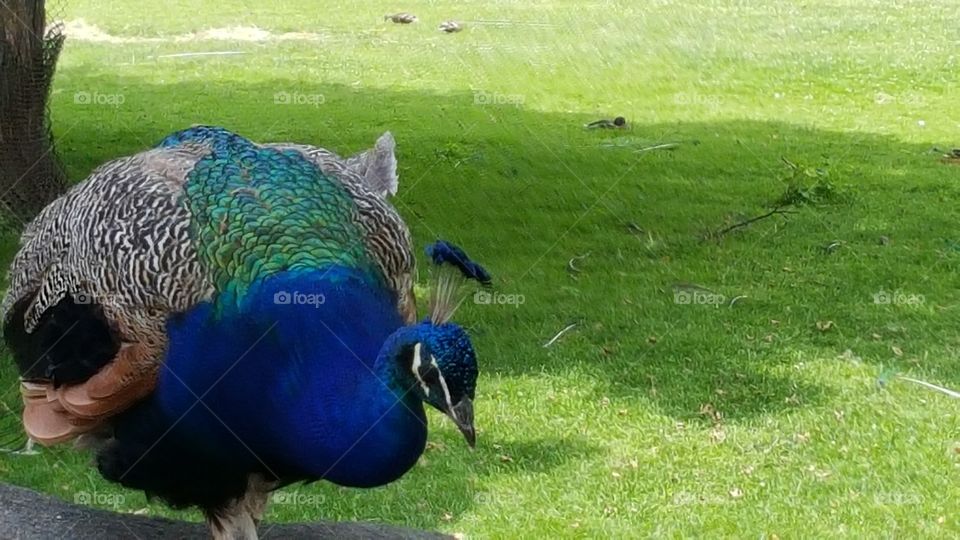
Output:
(449, 481)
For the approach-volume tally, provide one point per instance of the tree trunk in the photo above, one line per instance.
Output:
(30, 175)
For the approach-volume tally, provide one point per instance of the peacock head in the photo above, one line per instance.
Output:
(442, 362)
(443, 372)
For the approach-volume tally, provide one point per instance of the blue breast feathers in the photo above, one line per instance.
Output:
(290, 379)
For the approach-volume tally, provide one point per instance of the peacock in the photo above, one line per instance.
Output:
(220, 318)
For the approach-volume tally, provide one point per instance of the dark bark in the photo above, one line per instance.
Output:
(30, 175)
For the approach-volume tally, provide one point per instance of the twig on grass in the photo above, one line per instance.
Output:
(571, 267)
(779, 210)
(560, 333)
(662, 146)
(931, 386)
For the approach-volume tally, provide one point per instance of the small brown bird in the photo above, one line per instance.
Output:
(450, 27)
(401, 18)
(618, 122)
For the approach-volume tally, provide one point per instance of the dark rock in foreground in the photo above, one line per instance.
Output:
(28, 515)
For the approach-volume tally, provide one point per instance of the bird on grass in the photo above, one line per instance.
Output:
(450, 27)
(220, 318)
(401, 18)
(953, 156)
(616, 123)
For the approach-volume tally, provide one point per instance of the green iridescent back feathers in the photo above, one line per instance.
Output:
(258, 211)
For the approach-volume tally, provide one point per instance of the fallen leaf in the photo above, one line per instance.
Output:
(711, 412)
(850, 355)
(896, 350)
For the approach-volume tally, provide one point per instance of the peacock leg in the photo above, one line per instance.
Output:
(130, 377)
(232, 522)
(257, 496)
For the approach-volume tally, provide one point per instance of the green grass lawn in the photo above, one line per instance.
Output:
(758, 418)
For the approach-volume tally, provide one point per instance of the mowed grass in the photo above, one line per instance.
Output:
(759, 417)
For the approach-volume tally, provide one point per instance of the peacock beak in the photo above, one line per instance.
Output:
(462, 416)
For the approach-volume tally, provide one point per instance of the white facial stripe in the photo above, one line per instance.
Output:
(416, 369)
(443, 383)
